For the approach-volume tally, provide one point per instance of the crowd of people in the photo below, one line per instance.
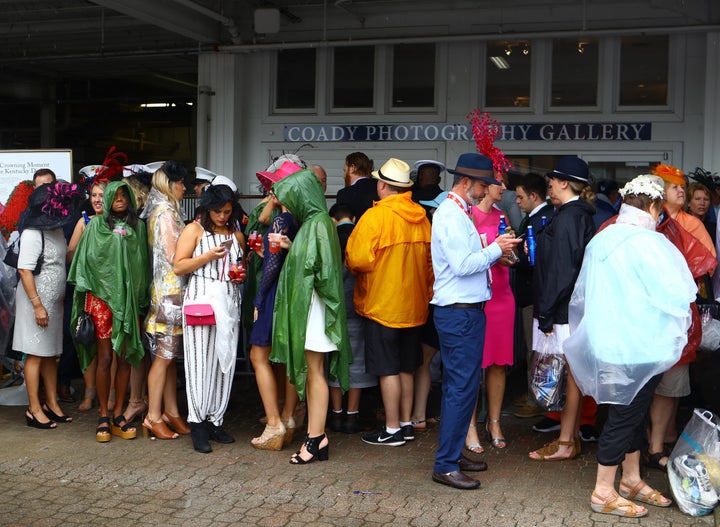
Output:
(365, 294)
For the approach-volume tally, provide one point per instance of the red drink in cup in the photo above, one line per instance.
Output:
(274, 241)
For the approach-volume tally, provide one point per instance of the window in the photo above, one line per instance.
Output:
(413, 80)
(353, 77)
(508, 74)
(295, 79)
(644, 71)
(574, 72)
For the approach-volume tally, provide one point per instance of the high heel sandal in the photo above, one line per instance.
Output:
(159, 429)
(121, 428)
(497, 442)
(55, 417)
(472, 448)
(32, 421)
(141, 406)
(272, 438)
(87, 402)
(290, 428)
(312, 447)
(177, 423)
(102, 432)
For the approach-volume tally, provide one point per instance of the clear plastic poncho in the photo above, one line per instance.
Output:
(630, 311)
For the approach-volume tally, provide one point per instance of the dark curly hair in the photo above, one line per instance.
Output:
(213, 198)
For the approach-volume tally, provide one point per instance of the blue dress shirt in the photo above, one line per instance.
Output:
(459, 261)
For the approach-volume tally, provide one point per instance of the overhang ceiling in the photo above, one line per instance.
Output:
(158, 40)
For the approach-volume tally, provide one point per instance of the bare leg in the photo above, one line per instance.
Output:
(102, 374)
(406, 396)
(391, 390)
(32, 385)
(291, 402)
(631, 475)
(318, 395)
(353, 399)
(90, 390)
(137, 400)
(495, 386)
(112, 396)
(336, 398)
(266, 382)
(661, 411)
(122, 379)
(48, 372)
(569, 422)
(472, 441)
(156, 387)
(422, 386)
(605, 487)
(170, 401)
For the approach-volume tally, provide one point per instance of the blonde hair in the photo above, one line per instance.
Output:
(141, 191)
(162, 183)
(584, 191)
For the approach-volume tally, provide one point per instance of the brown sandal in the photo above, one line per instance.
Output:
(177, 423)
(551, 449)
(654, 497)
(611, 506)
(159, 429)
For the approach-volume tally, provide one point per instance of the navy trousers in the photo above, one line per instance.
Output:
(462, 336)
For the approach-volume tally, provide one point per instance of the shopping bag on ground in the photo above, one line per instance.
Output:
(694, 465)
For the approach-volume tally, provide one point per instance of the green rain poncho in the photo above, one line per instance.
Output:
(254, 271)
(313, 262)
(113, 267)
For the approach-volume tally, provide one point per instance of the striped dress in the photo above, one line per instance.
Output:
(207, 387)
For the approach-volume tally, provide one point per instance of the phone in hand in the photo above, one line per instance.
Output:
(227, 244)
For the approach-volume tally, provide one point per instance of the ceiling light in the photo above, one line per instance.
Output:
(581, 46)
(525, 48)
(508, 50)
(500, 63)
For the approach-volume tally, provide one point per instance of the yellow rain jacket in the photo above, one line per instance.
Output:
(389, 253)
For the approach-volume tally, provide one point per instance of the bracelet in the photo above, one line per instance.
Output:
(35, 297)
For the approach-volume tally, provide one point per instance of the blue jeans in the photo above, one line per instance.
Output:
(462, 335)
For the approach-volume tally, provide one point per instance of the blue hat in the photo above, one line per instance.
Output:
(571, 168)
(434, 203)
(475, 166)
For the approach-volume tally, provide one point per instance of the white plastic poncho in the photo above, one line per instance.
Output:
(629, 313)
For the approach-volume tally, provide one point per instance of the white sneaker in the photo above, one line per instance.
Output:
(696, 480)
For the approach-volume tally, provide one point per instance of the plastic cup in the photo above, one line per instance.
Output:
(274, 241)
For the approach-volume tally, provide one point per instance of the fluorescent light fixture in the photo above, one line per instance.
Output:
(155, 105)
(500, 63)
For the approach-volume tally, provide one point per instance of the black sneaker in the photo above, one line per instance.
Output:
(588, 434)
(546, 425)
(382, 437)
(408, 432)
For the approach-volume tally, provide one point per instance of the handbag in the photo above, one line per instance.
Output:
(13, 254)
(199, 314)
(85, 328)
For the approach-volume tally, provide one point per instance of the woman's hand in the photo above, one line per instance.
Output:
(216, 253)
(255, 315)
(41, 315)
(285, 242)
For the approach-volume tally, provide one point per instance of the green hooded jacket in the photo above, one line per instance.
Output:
(313, 262)
(115, 268)
(254, 271)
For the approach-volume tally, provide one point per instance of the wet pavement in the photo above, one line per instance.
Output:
(64, 477)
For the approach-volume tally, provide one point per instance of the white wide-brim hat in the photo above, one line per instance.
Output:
(203, 174)
(394, 172)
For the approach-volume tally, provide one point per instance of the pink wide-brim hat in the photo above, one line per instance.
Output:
(267, 179)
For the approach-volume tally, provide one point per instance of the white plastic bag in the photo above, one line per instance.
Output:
(694, 465)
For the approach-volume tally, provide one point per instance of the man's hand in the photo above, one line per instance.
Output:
(507, 243)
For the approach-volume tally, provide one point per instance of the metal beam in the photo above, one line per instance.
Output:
(169, 16)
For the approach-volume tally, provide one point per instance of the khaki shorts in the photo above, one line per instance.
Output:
(675, 382)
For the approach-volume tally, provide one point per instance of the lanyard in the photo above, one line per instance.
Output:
(459, 204)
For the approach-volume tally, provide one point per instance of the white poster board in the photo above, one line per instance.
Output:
(20, 165)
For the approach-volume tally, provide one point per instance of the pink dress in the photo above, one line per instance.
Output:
(500, 309)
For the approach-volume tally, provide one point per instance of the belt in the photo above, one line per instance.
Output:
(463, 305)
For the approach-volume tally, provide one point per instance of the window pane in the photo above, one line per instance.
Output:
(413, 76)
(574, 72)
(644, 71)
(508, 74)
(354, 77)
(295, 80)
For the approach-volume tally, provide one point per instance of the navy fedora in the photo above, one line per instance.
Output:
(475, 166)
(571, 168)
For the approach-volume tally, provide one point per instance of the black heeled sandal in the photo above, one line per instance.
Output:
(312, 446)
(32, 421)
(55, 417)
